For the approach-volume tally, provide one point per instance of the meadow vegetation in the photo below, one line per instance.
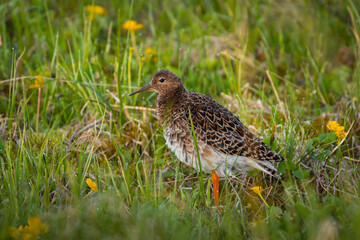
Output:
(79, 159)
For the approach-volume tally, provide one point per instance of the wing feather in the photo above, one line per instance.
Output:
(221, 129)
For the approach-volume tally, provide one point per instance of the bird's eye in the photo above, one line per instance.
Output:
(162, 79)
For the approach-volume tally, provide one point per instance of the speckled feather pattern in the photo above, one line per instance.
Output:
(224, 143)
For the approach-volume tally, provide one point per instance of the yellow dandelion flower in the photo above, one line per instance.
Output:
(92, 184)
(33, 230)
(338, 129)
(96, 10)
(14, 232)
(150, 50)
(132, 25)
(36, 226)
(39, 83)
(150, 53)
(47, 73)
(332, 125)
(258, 190)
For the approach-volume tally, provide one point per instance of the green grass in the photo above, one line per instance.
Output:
(86, 125)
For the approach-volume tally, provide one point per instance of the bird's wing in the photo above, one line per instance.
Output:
(221, 129)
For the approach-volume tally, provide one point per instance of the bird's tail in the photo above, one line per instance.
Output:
(263, 165)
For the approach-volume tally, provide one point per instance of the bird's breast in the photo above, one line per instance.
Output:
(179, 140)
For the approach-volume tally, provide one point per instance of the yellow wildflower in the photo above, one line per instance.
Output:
(150, 53)
(92, 184)
(14, 232)
(47, 73)
(258, 190)
(31, 231)
(95, 11)
(39, 83)
(35, 226)
(132, 25)
(338, 129)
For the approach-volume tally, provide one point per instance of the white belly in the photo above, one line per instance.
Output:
(210, 159)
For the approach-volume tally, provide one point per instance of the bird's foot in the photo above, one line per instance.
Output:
(215, 182)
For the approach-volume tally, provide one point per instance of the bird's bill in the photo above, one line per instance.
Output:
(145, 88)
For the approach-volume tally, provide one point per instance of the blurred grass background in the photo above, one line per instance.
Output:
(65, 76)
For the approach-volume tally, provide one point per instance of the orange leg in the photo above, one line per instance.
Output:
(215, 182)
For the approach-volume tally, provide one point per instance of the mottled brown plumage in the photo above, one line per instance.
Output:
(225, 144)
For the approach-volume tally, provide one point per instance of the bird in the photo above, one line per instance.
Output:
(224, 144)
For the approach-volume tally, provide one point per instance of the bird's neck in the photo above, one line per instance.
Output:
(165, 103)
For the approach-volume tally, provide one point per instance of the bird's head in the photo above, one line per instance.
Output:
(164, 82)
